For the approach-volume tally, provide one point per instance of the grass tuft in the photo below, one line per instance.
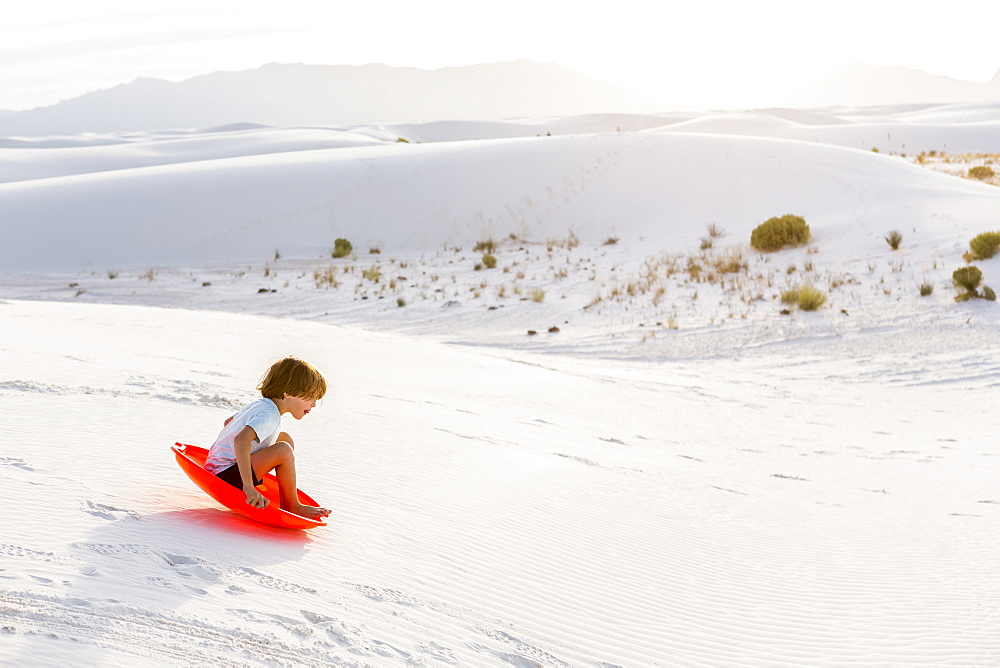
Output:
(810, 299)
(806, 298)
(485, 246)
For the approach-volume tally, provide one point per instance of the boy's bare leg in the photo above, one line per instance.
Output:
(281, 458)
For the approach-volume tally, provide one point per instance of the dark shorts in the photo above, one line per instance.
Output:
(232, 476)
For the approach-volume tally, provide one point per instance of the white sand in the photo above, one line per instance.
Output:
(680, 475)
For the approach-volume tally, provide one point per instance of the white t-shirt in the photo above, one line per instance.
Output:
(262, 416)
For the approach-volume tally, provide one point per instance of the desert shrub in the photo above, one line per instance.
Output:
(894, 238)
(981, 172)
(400, 302)
(342, 248)
(486, 246)
(537, 295)
(489, 261)
(372, 274)
(984, 246)
(790, 297)
(988, 294)
(777, 233)
(967, 279)
(926, 289)
(810, 298)
(611, 241)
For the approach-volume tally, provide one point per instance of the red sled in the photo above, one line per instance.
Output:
(191, 459)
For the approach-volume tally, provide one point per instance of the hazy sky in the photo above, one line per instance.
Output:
(724, 53)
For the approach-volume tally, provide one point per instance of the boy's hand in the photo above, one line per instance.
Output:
(255, 498)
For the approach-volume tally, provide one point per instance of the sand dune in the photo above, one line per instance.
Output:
(494, 509)
(180, 200)
(669, 471)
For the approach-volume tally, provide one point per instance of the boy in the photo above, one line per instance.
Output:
(251, 442)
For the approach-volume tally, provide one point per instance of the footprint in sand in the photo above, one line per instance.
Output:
(526, 653)
(353, 637)
(107, 512)
(388, 595)
(344, 634)
(17, 463)
(438, 652)
(263, 580)
(191, 567)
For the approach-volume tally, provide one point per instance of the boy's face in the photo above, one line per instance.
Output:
(299, 407)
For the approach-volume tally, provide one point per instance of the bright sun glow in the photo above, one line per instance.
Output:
(721, 54)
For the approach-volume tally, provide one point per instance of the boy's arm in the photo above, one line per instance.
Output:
(242, 444)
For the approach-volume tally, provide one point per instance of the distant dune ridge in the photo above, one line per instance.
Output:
(298, 94)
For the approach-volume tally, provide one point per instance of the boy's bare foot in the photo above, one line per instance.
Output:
(311, 512)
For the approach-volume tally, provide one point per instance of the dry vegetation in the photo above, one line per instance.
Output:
(716, 284)
(984, 167)
(721, 281)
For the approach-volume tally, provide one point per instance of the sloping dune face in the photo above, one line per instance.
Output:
(491, 508)
(659, 185)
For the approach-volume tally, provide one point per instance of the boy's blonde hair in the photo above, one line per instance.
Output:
(294, 377)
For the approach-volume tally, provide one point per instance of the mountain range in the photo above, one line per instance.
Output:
(297, 94)
(860, 85)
